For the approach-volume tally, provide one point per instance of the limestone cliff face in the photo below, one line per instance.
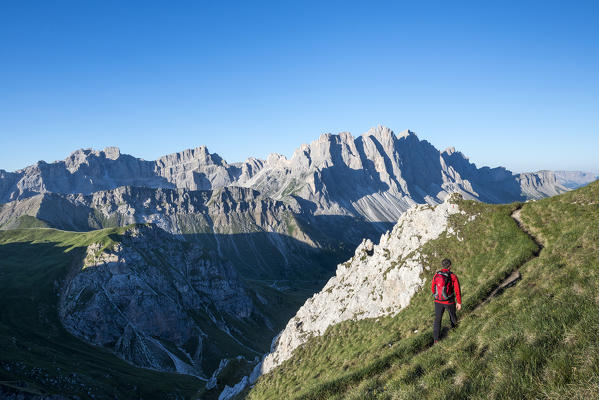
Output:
(197, 169)
(157, 302)
(378, 280)
(377, 175)
(227, 211)
(181, 211)
(540, 184)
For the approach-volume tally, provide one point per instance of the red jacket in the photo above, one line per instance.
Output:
(456, 288)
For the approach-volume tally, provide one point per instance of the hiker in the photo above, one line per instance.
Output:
(446, 293)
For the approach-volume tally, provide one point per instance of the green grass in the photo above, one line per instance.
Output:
(36, 353)
(539, 339)
(26, 222)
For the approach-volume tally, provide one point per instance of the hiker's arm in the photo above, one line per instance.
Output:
(458, 294)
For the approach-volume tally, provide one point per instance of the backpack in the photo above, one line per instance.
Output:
(443, 286)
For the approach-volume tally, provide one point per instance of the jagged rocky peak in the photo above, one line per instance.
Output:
(458, 156)
(406, 134)
(346, 149)
(78, 157)
(324, 137)
(251, 165)
(112, 152)
(387, 138)
(382, 133)
(449, 151)
(327, 151)
(372, 283)
(82, 156)
(346, 137)
(277, 159)
(199, 155)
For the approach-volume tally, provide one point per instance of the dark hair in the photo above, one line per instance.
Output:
(446, 263)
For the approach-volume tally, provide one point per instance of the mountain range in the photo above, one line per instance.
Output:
(210, 260)
(377, 175)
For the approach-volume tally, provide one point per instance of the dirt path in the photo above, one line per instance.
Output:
(515, 275)
(516, 215)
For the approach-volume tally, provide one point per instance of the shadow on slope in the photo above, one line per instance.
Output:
(494, 185)
(38, 355)
(278, 272)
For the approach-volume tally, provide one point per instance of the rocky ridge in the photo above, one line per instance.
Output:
(376, 176)
(575, 179)
(540, 184)
(179, 211)
(371, 284)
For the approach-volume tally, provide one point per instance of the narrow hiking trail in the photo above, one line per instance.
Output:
(516, 215)
(515, 276)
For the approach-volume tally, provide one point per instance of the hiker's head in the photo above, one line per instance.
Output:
(446, 263)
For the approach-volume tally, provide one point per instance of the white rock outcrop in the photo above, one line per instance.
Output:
(373, 283)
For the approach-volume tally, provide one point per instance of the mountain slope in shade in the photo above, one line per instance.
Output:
(270, 239)
(38, 357)
(159, 303)
(156, 299)
(179, 211)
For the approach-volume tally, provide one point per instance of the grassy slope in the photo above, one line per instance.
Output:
(36, 353)
(26, 222)
(539, 339)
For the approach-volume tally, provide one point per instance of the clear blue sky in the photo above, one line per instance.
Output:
(508, 83)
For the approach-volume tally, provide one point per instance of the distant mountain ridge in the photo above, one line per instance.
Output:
(377, 175)
(575, 179)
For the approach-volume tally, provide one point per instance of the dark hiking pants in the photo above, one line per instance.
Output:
(439, 309)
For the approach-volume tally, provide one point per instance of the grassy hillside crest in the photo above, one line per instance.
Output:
(536, 339)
